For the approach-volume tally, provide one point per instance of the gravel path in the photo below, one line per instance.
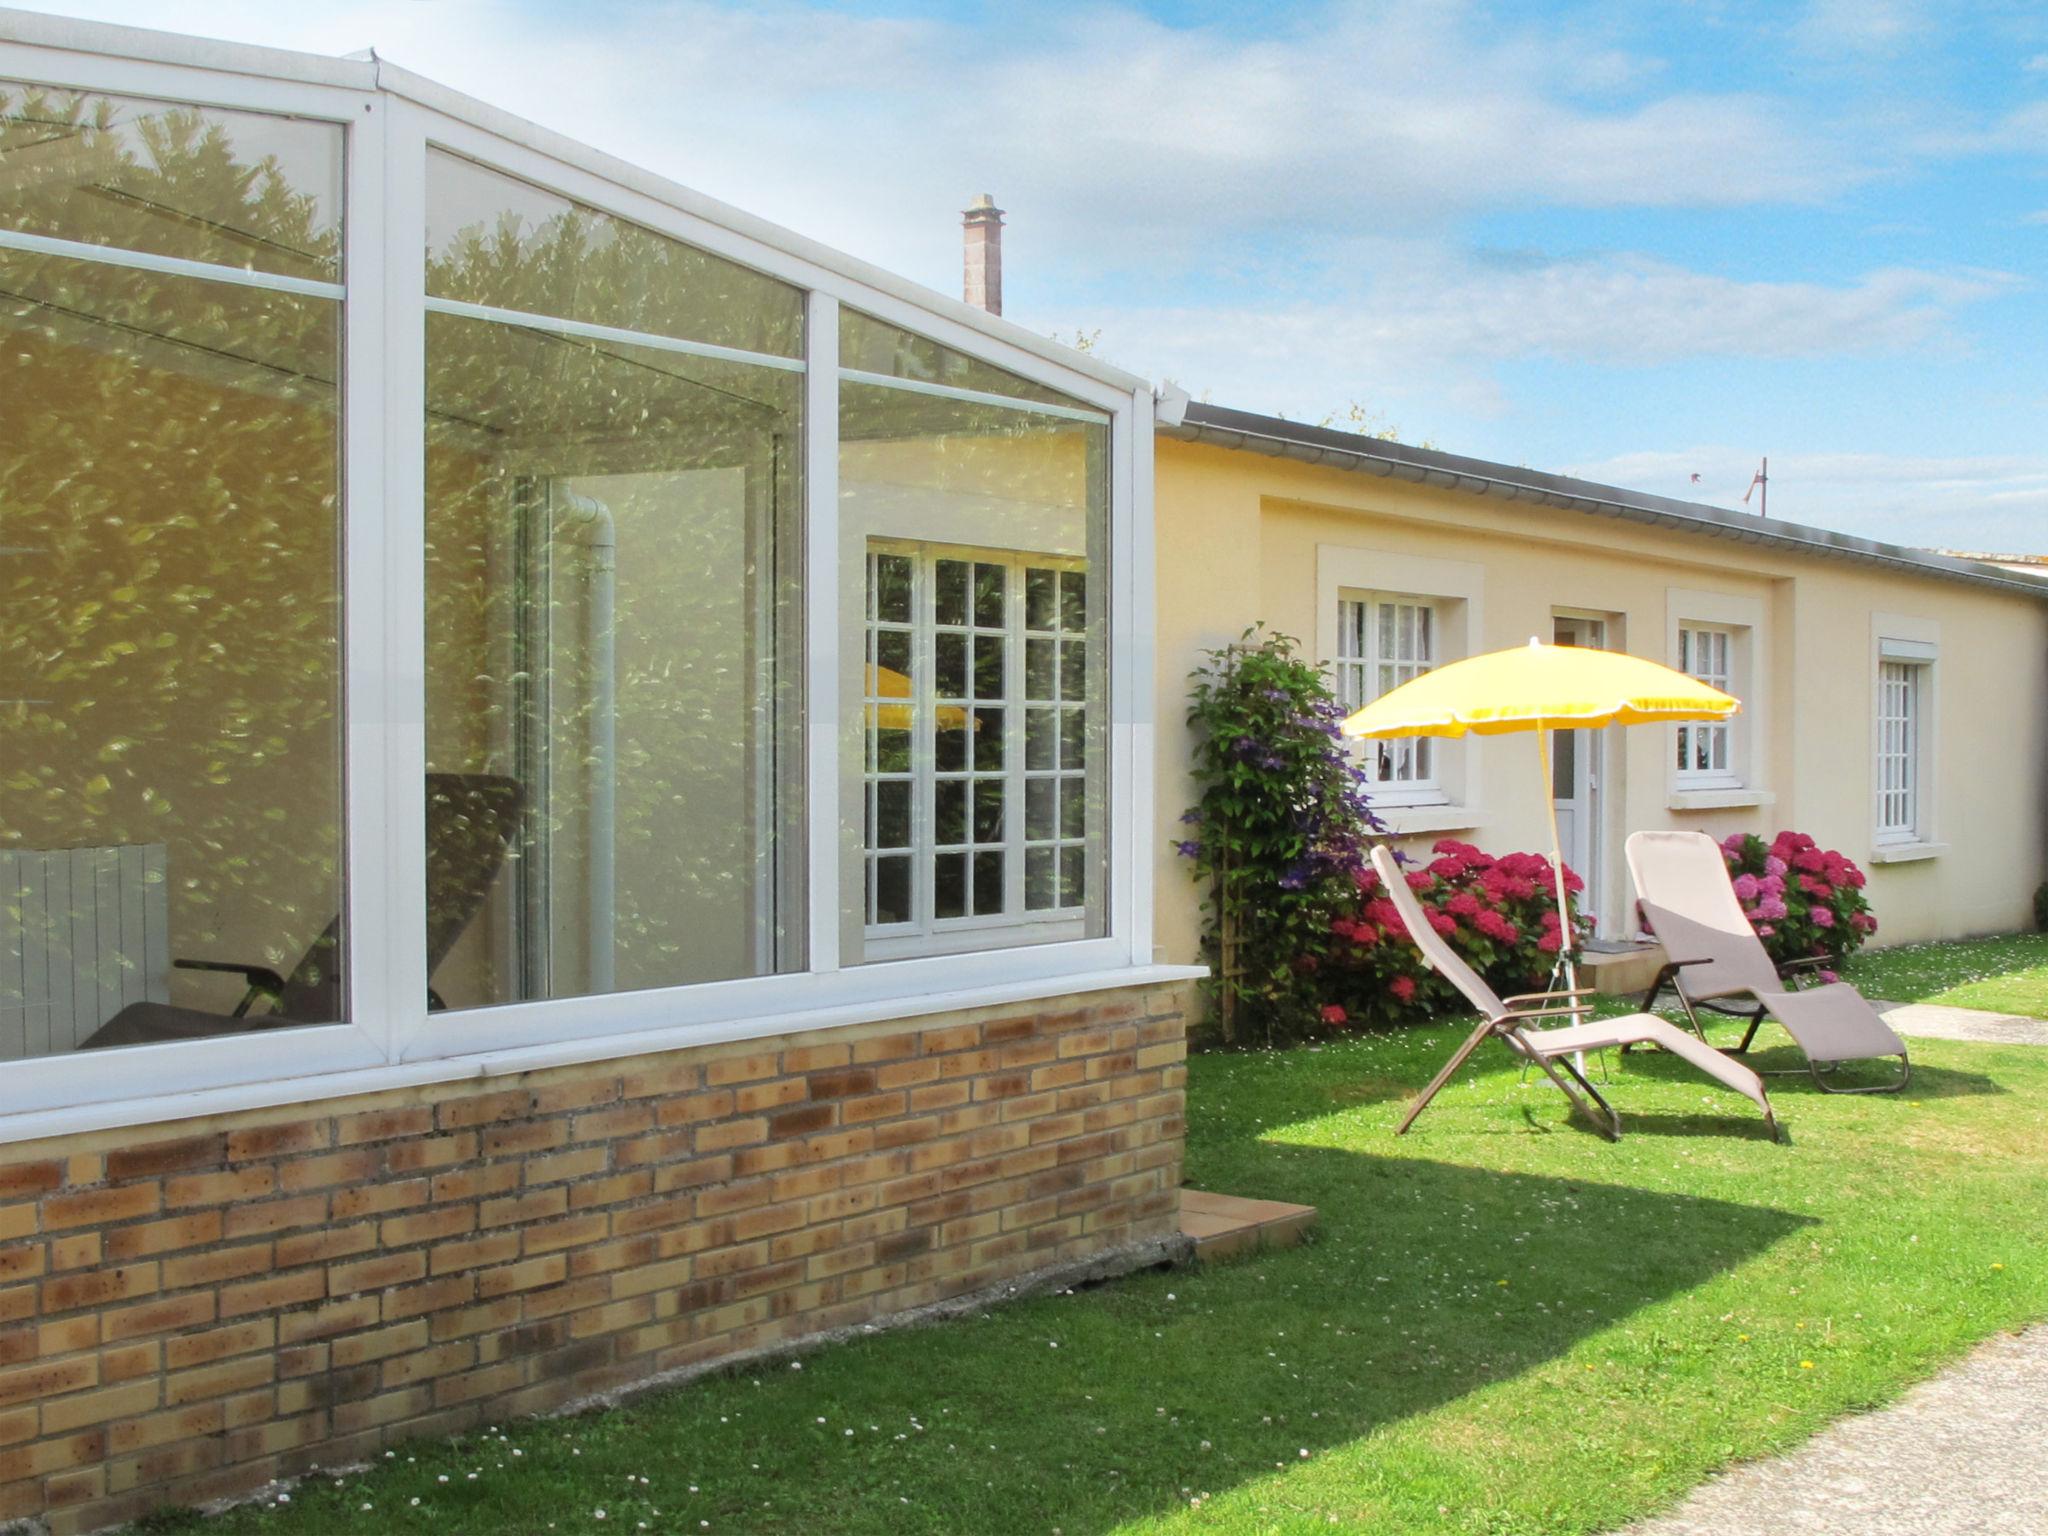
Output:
(1961, 1455)
(1938, 1021)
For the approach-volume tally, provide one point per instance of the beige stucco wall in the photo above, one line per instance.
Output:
(1241, 537)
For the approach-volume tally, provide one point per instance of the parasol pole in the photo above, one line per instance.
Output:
(1564, 916)
(1564, 911)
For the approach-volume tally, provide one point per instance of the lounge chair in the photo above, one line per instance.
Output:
(1716, 961)
(471, 821)
(1551, 1049)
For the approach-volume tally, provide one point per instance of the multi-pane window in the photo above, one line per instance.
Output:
(1900, 686)
(1383, 642)
(976, 730)
(1706, 749)
(975, 689)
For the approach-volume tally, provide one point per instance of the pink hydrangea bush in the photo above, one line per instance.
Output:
(1802, 899)
(1499, 913)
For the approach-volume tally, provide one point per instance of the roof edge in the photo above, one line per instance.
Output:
(1224, 427)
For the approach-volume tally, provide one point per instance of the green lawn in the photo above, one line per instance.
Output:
(2005, 975)
(1508, 1325)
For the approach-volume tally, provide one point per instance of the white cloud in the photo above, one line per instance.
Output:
(1433, 316)
(1115, 138)
(1995, 502)
(2024, 130)
(1835, 27)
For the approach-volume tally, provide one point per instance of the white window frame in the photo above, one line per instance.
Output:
(926, 933)
(1717, 736)
(1365, 670)
(1455, 590)
(1745, 619)
(1904, 736)
(391, 118)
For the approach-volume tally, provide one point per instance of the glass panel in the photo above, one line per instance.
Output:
(614, 632)
(1073, 810)
(951, 740)
(1040, 890)
(874, 346)
(952, 585)
(492, 239)
(892, 651)
(892, 589)
(951, 821)
(238, 189)
(170, 644)
(988, 740)
(988, 884)
(989, 796)
(1041, 730)
(1004, 516)
(1041, 666)
(949, 885)
(892, 814)
(1040, 598)
(989, 590)
(892, 890)
(1041, 802)
(988, 667)
(952, 667)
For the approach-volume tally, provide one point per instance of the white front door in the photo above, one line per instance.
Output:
(1577, 764)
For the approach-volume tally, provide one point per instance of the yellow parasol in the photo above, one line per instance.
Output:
(1541, 688)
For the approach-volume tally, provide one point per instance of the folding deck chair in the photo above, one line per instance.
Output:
(1547, 1048)
(471, 821)
(1686, 898)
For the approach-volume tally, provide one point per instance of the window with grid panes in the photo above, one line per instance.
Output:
(1706, 748)
(977, 730)
(1383, 642)
(1899, 690)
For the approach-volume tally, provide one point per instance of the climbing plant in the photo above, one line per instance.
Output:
(1277, 835)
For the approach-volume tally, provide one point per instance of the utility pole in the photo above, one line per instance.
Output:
(1760, 483)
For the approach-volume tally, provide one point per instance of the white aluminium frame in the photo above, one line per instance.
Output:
(391, 119)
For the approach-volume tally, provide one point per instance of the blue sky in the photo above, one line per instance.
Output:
(1631, 241)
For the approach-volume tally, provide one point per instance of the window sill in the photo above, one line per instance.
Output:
(1718, 799)
(1408, 820)
(158, 1109)
(1906, 853)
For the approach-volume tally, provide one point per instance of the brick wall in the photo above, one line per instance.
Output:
(188, 1311)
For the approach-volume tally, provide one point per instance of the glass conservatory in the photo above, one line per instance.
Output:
(463, 596)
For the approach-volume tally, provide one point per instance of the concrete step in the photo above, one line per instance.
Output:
(1621, 972)
(1224, 1226)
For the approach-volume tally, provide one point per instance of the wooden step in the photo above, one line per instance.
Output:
(1224, 1226)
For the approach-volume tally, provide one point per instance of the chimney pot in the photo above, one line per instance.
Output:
(981, 281)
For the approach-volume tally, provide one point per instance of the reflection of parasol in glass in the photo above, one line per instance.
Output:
(886, 683)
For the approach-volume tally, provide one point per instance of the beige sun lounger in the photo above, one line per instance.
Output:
(1550, 1049)
(1716, 961)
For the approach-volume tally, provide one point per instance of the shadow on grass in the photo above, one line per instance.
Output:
(1432, 1281)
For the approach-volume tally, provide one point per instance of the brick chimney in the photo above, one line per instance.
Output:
(981, 282)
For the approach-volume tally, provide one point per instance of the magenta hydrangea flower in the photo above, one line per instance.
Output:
(1745, 887)
(1822, 917)
(1775, 866)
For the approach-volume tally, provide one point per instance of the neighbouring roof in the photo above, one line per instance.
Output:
(1225, 428)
